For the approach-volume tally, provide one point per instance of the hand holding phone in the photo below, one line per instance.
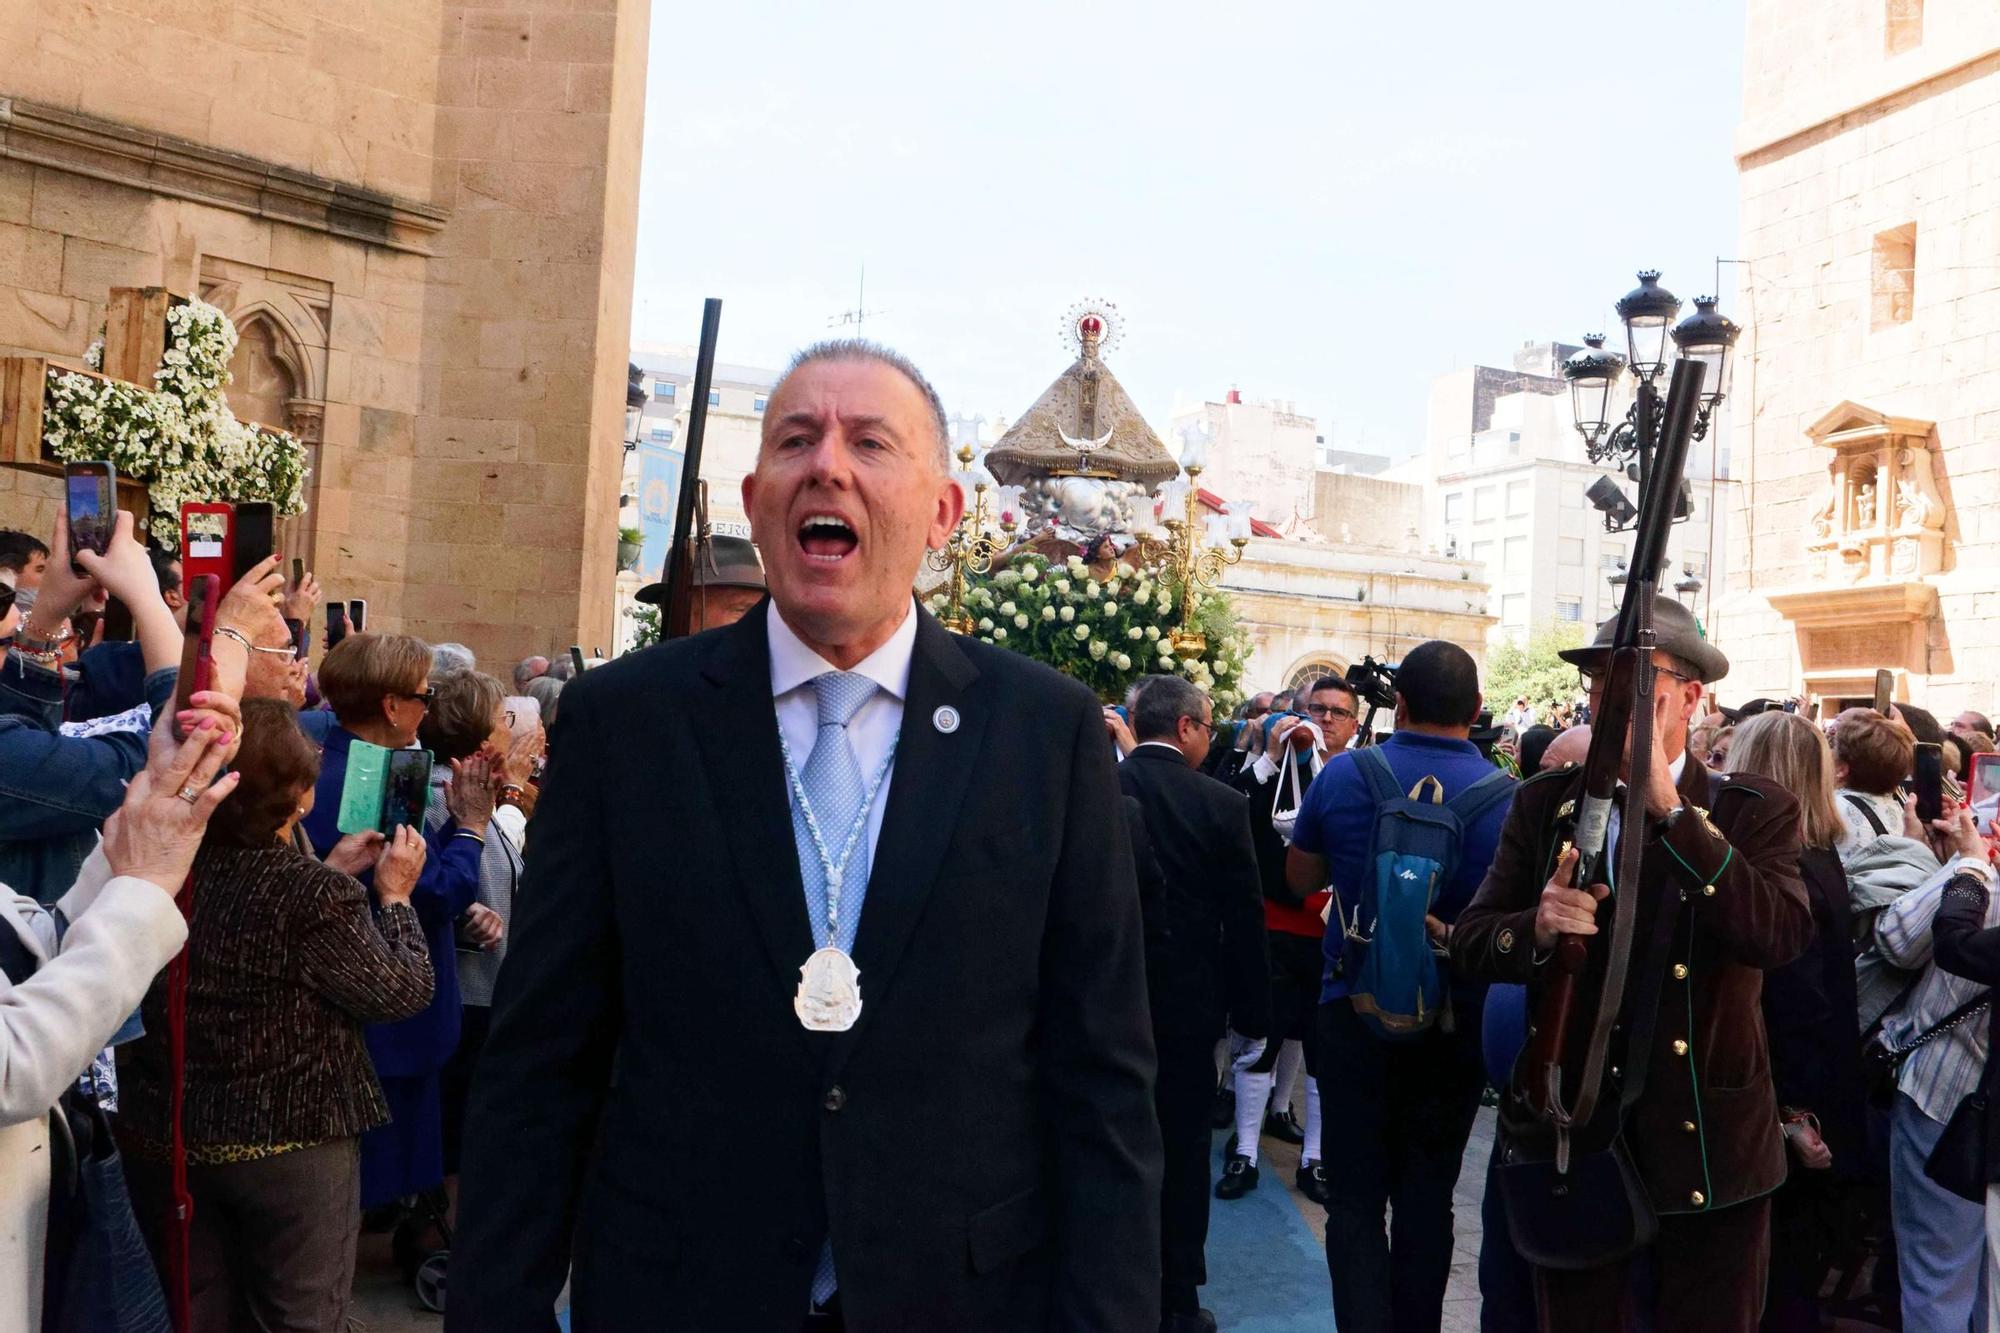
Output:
(90, 493)
(1928, 781)
(1885, 690)
(336, 624)
(197, 645)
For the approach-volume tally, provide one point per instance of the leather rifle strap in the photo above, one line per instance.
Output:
(1625, 892)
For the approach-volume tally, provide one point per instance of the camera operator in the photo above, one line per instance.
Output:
(1293, 926)
(1206, 950)
(1397, 1113)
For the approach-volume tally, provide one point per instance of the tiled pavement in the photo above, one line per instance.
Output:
(384, 1303)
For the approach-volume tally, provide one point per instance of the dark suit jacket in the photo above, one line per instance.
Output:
(1705, 1133)
(1208, 959)
(981, 1146)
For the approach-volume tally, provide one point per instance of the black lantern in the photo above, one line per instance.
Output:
(1687, 585)
(1647, 311)
(635, 404)
(1617, 579)
(1707, 336)
(1592, 373)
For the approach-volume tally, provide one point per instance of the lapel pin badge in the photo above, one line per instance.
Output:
(945, 719)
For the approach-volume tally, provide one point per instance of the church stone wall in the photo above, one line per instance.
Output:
(1843, 143)
(436, 204)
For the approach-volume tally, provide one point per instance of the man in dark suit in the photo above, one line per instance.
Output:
(826, 1003)
(1722, 853)
(1205, 960)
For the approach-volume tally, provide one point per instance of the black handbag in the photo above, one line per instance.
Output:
(1595, 1213)
(1958, 1160)
(1882, 1064)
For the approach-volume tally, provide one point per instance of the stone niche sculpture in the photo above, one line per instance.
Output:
(1876, 536)
(1881, 518)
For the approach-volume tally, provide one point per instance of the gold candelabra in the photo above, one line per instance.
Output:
(971, 547)
(1189, 565)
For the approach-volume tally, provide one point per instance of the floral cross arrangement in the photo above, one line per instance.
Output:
(1106, 633)
(178, 438)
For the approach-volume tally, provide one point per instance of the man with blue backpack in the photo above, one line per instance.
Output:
(1402, 834)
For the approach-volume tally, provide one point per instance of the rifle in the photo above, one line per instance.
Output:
(676, 615)
(1626, 710)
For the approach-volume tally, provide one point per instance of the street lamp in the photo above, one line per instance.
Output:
(635, 405)
(1686, 586)
(1706, 336)
(1647, 311)
(1617, 579)
(1592, 374)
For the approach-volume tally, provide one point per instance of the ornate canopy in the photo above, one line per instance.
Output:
(1084, 424)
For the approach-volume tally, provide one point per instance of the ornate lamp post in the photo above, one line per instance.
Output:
(1191, 565)
(1647, 311)
(972, 544)
(1687, 586)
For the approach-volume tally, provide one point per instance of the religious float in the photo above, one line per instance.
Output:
(1086, 545)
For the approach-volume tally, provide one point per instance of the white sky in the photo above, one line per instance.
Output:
(1326, 202)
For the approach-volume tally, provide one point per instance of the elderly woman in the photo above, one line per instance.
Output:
(467, 719)
(63, 993)
(285, 963)
(378, 687)
(1810, 1010)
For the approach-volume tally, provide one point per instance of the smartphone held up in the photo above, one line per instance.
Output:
(90, 508)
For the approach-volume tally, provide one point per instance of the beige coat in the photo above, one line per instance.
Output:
(122, 931)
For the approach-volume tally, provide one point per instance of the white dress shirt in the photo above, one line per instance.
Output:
(871, 731)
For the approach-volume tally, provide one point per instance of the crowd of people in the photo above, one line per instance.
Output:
(987, 968)
(310, 1071)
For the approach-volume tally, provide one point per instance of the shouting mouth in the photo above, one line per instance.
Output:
(827, 538)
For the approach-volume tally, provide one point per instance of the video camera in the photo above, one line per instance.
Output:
(1373, 681)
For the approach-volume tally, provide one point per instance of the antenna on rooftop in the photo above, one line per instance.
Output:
(856, 317)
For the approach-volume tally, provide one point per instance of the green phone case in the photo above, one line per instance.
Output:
(361, 791)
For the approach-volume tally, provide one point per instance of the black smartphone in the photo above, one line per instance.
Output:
(407, 790)
(336, 624)
(1885, 689)
(576, 657)
(91, 498)
(298, 629)
(357, 614)
(298, 572)
(197, 644)
(1929, 782)
(253, 535)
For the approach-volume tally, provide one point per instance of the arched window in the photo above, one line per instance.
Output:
(1311, 670)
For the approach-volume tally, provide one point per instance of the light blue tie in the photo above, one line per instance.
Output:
(834, 786)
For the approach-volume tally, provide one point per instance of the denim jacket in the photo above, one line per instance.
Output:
(56, 791)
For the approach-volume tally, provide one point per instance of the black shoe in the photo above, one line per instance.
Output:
(1312, 1182)
(1201, 1321)
(1238, 1178)
(1224, 1113)
(1280, 1125)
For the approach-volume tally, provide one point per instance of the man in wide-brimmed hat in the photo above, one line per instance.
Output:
(1721, 852)
(728, 582)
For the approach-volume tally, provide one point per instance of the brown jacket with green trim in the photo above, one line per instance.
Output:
(1704, 1134)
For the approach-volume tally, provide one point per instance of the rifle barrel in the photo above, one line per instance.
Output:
(678, 574)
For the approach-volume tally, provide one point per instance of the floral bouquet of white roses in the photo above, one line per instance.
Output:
(1107, 633)
(180, 440)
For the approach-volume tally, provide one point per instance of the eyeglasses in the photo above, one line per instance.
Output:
(1327, 710)
(290, 652)
(1589, 680)
(427, 698)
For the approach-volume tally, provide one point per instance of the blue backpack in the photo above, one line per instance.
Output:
(1386, 954)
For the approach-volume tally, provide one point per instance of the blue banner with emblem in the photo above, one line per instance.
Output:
(659, 491)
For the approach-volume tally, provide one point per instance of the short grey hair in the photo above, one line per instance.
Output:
(860, 349)
(452, 657)
(1163, 701)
